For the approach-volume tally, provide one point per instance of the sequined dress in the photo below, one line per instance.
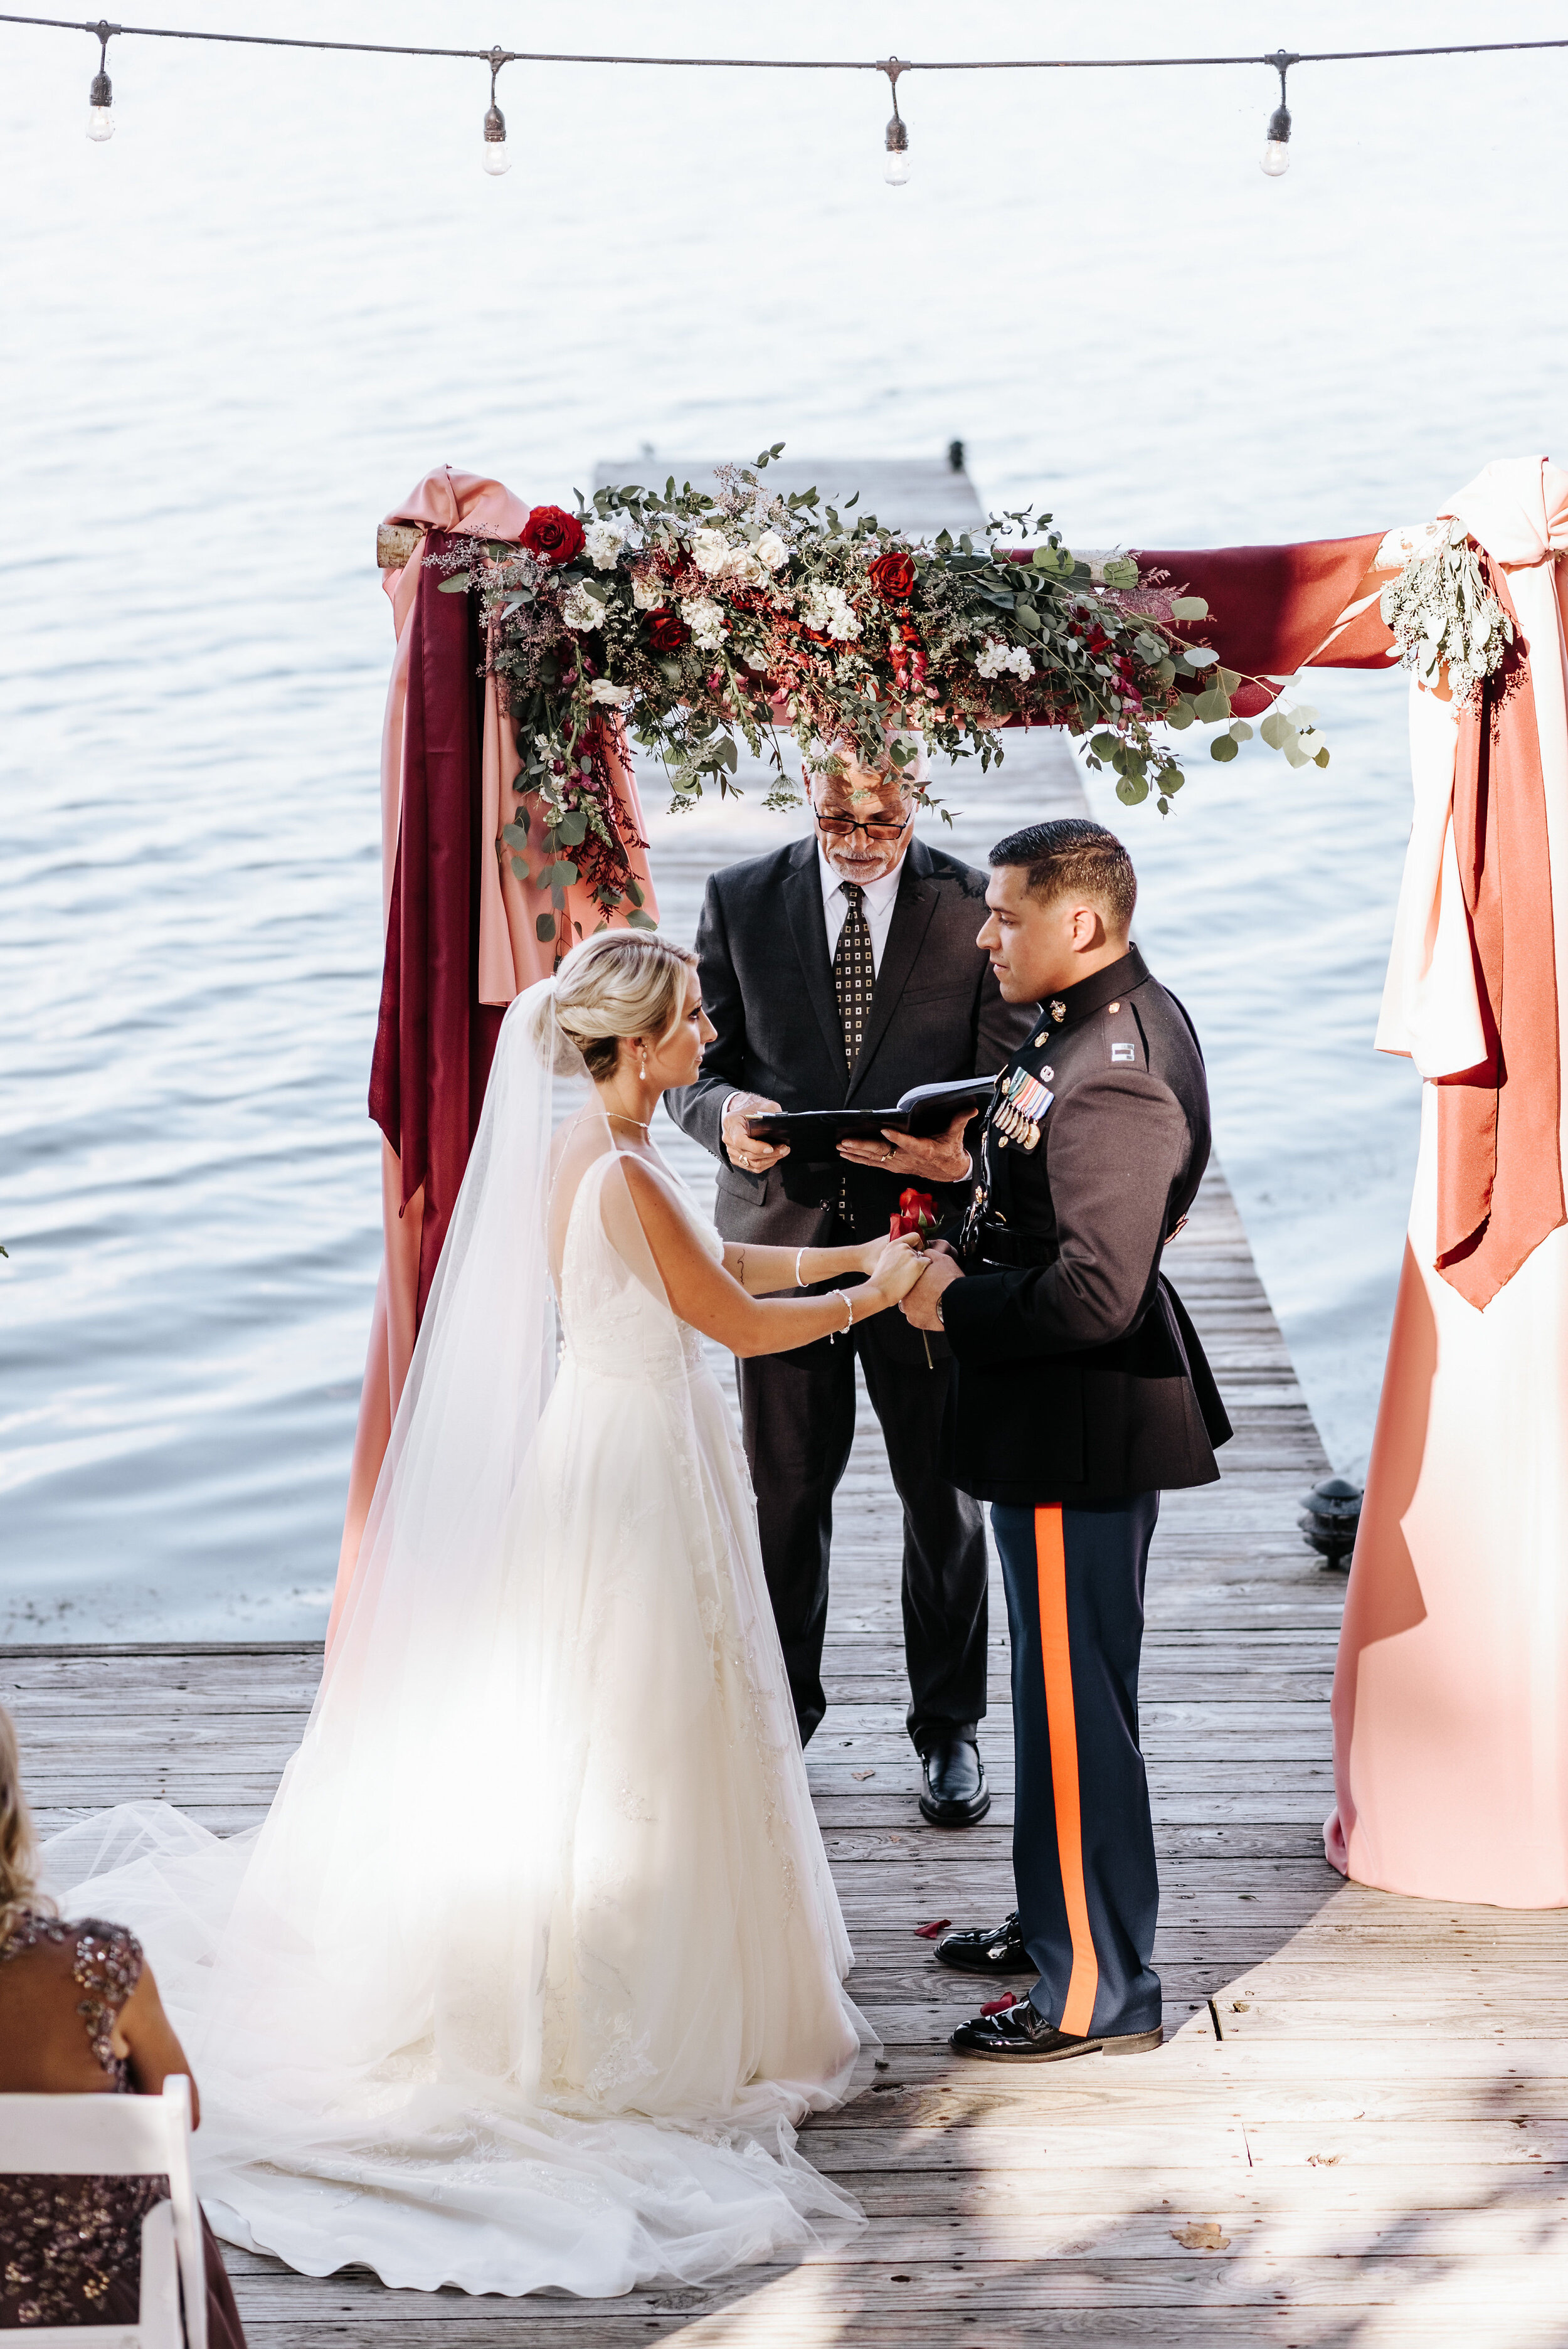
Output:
(70, 2247)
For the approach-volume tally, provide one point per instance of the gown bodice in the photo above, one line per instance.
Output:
(612, 1322)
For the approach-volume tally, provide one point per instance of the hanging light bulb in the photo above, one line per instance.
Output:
(100, 97)
(494, 156)
(1277, 153)
(895, 171)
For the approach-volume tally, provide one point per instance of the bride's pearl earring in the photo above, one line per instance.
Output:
(642, 1063)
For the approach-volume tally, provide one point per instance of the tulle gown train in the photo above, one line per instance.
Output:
(537, 1959)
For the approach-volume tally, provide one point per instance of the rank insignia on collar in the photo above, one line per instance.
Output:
(1024, 1103)
(1059, 1011)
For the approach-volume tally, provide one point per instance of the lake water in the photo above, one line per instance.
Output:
(234, 338)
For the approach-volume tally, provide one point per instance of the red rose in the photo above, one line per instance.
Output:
(892, 577)
(553, 535)
(916, 1212)
(667, 632)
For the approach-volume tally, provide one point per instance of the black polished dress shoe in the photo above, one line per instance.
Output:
(955, 1794)
(999, 1952)
(1020, 2035)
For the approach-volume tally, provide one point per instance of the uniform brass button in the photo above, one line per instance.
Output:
(1001, 1142)
(1038, 1042)
(1116, 1007)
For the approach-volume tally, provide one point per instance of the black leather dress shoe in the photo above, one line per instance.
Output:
(1020, 2035)
(999, 1952)
(956, 1792)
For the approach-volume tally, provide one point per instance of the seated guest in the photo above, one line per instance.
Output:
(79, 2014)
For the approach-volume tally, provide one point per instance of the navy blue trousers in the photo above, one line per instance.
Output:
(1083, 1845)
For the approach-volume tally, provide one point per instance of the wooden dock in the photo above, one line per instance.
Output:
(1357, 2132)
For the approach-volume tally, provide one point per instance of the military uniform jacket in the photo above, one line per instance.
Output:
(1079, 1376)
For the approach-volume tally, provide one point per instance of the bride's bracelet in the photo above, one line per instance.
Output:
(799, 1259)
(848, 1296)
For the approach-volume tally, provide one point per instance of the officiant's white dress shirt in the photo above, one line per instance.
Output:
(877, 899)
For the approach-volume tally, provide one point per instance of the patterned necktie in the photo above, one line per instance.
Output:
(854, 973)
(854, 976)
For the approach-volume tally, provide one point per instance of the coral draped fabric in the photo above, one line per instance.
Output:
(1450, 1692)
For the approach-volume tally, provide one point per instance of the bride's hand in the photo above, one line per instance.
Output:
(897, 1265)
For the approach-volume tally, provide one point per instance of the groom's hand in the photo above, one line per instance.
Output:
(940, 1158)
(918, 1307)
(743, 1149)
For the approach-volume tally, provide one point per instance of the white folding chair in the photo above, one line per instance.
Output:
(121, 2137)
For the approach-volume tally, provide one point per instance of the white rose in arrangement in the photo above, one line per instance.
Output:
(603, 542)
(603, 690)
(828, 611)
(648, 593)
(579, 609)
(710, 551)
(770, 549)
(744, 567)
(704, 618)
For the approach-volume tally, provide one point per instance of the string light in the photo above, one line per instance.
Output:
(494, 157)
(1277, 153)
(100, 97)
(896, 171)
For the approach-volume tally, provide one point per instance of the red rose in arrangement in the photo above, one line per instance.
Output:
(916, 1212)
(892, 577)
(553, 535)
(667, 632)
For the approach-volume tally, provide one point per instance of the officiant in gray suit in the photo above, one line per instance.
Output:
(839, 971)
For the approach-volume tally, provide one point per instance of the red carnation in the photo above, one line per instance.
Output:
(553, 535)
(667, 632)
(892, 577)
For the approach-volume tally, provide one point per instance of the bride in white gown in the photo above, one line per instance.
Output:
(536, 1960)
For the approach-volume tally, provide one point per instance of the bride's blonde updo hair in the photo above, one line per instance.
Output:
(18, 1857)
(620, 983)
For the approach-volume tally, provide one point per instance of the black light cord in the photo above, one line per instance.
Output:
(102, 30)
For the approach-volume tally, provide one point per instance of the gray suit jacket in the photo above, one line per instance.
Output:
(767, 986)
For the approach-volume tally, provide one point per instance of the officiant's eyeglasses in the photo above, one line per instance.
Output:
(844, 827)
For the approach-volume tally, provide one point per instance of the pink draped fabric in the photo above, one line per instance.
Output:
(509, 956)
(1451, 1693)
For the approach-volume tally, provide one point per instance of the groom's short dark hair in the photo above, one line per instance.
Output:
(1070, 856)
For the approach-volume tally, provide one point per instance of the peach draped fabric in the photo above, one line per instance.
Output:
(1450, 1695)
(509, 955)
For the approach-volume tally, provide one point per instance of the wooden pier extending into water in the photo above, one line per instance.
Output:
(1358, 2133)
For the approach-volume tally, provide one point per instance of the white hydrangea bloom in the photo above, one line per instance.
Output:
(704, 618)
(770, 549)
(579, 610)
(828, 611)
(603, 542)
(603, 690)
(710, 551)
(996, 659)
(648, 593)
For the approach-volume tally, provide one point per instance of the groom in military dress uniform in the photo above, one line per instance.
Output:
(1080, 1391)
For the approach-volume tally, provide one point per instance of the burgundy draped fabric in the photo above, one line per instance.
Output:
(1270, 608)
(1500, 1168)
(434, 1038)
